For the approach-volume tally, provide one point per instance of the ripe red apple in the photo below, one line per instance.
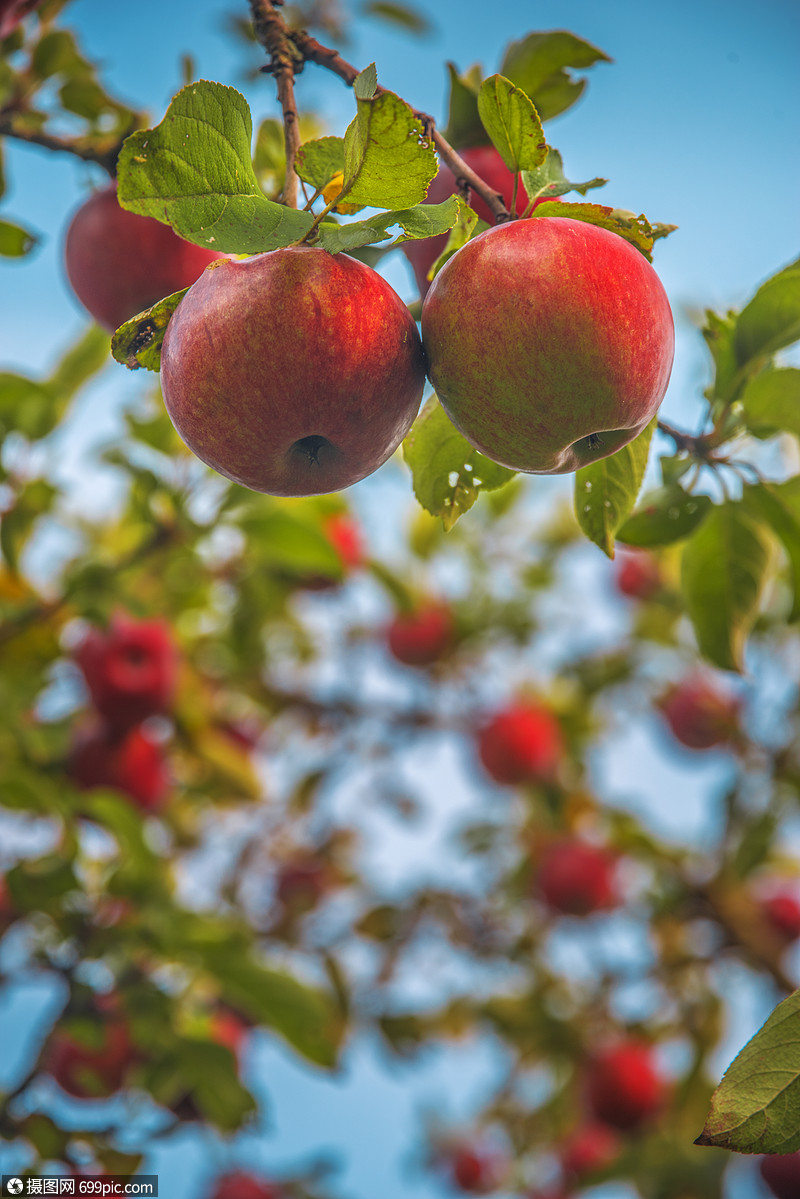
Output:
(781, 1173)
(522, 743)
(130, 762)
(576, 878)
(475, 1170)
(590, 1148)
(484, 161)
(238, 1185)
(295, 372)
(422, 636)
(624, 1085)
(130, 669)
(12, 12)
(119, 263)
(782, 910)
(549, 343)
(93, 1072)
(699, 714)
(638, 574)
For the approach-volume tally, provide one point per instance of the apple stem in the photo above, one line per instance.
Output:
(274, 35)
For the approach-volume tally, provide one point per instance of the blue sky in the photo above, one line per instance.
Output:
(694, 123)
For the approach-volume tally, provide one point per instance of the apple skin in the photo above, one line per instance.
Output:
(576, 878)
(130, 669)
(699, 715)
(590, 1148)
(638, 575)
(7, 913)
(238, 1185)
(484, 161)
(129, 762)
(119, 264)
(474, 1171)
(295, 372)
(12, 13)
(624, 1086)
(421, 637)
(88, 1072)
(522, 743)
(549, 342)
(781, 1173)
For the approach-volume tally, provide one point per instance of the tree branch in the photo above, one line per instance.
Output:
(312, 51)
(273, 34)
(104, 155)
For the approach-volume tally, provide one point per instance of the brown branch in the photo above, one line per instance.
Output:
(105, 156)
(312, 51)
(273, 34)
(698, 447)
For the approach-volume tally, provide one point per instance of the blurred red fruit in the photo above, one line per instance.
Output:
(521, 743)
(781, 1173)
(344, 535)
(576, 878)
(93, 1072)
(421, 637)
(473, 1170)
(301, 885)
(638, 575)
(699, 714)
(228, 1028)
(130, 669)
(7, 912)
(624, 1085)
(130, 762)
(12, 12)
(119, 264)
(782, 910)
(239, 1185)
(590, 1149)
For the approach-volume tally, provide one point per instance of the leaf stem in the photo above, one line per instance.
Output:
(274, 35)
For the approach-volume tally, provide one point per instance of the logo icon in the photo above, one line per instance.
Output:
(15, 1186)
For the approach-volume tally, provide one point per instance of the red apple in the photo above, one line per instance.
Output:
(295, 372)
(781, 1173)
(484, 161)
(699, 714)
(522, 743)
(130, 670)
(130, 762)
(7, 912)
(549, 343)
(590, 1148)
(238, 1185)
(475, 1170)
(344, 535)
(119, 263)
(576, 878)
(301, 884)
(782, 910)
(92, 1072)
(638, 574)
(12, 12)
(422, 636)
(624, 1085)
(228, 1028)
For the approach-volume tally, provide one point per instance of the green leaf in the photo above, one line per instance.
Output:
(771, 403)
(756, 1107)
(512, 123)
(606, 491)
(538, 64)
(635, 229)
(771, 320)
(138, 342)
(388, 161)
(16, 242)
(80, 363)
(365, 83)
(724, 568)
(318, 161)
(423, 220)
(465, 228)
(25, 405)
(718, 332)
(287, 543)
(464, 126)
(403, 16)
(210, 1073)
(549, 179)
(778, 504)
(448, 474)
(194, 172)
(17, 524)
(666, 515)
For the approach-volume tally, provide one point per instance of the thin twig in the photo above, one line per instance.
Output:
(105, 156)
(273, 34)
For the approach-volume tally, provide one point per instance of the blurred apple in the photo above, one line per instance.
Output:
(422, 636)
(131, 762)
(522, 743)
(576, 878)
(130, 669)
(624, 1085)
(700, 714)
